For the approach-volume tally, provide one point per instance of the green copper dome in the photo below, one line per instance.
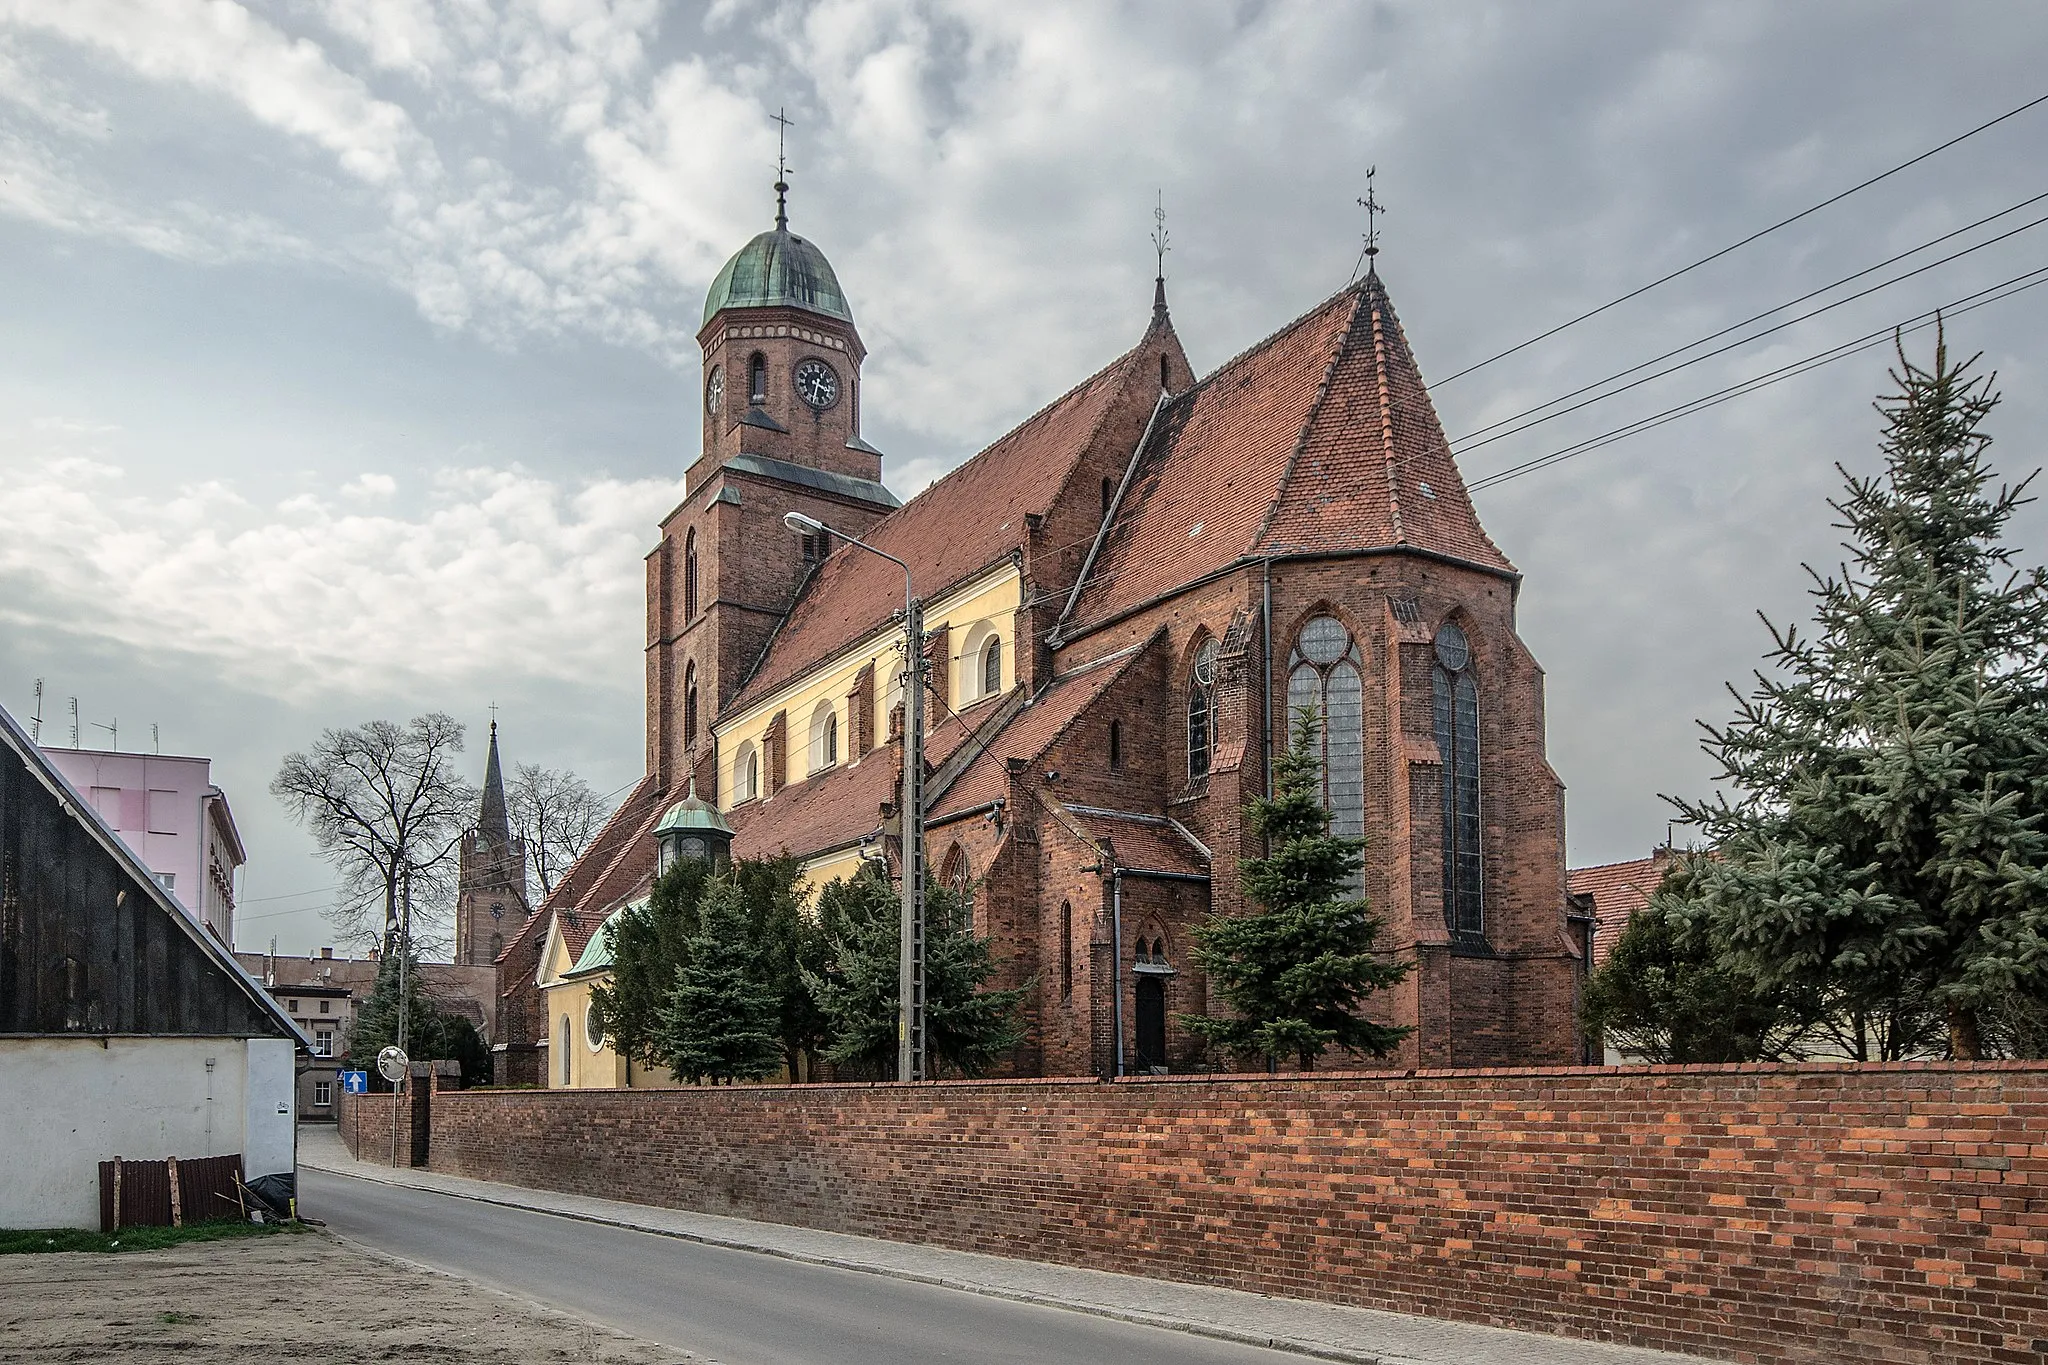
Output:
(778, 268)
(692, 814)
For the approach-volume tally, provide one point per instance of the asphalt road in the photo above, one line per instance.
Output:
(735, 1307)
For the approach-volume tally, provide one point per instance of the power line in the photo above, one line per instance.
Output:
(1759, 317)
(287, 896)
(1472, 445)
(1754, 236)
(1967, 304)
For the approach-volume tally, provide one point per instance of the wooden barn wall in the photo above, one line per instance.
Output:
(83, 947)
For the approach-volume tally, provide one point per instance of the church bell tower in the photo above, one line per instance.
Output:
(781, 409)
(490, 898)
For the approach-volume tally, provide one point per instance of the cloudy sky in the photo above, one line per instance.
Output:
(346, 355)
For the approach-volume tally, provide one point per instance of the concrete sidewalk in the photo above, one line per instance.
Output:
(1324, 1331)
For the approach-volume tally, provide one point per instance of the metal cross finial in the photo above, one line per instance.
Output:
(494, 718)
(1373, 210)
(1159, 233)
(781, 168)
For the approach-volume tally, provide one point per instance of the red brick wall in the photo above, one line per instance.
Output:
(1801, 1214)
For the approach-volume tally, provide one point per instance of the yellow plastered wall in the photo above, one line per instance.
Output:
(821, 872)
(988, 605)
(589, 1069)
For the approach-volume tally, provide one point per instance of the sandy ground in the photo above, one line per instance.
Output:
(307, 1297)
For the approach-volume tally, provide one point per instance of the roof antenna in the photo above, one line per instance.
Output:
(781, 171)
(1373, 209)
(1159, 250)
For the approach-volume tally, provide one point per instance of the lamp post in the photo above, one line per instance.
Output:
(910, 1030)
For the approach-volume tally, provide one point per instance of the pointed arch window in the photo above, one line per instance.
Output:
(690, 577)
(1202, 711)
(690, 703)
(1456, 714)
(958, 873)
(1325, 673)
(757, 378)
(1066, 950)
(1116, 746)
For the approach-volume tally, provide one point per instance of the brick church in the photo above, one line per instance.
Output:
(1125, 597)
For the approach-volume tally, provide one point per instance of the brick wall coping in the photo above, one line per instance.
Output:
(1297, 1080)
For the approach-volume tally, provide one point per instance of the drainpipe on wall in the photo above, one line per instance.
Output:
(1266, 661)
(1116, 962)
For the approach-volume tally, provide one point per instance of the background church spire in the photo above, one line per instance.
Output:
(494, 824)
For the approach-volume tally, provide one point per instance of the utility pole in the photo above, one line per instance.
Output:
(911, 1042)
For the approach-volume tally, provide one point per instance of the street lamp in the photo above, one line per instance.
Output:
(910, 1031)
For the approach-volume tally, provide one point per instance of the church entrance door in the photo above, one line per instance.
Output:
(1151, 1024)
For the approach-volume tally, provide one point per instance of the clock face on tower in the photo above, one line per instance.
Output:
(714, 391)
(816, 384)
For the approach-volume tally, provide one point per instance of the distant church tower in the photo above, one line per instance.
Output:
(490, 901)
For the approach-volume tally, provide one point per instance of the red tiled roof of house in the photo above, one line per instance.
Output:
(1144, 843)
(964, 523)
(1320, 438)
(1030, 733)
(1618, 891)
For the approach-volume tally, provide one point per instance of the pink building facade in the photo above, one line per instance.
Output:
(169, 813)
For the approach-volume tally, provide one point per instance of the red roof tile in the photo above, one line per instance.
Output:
(1030, 733)
(1319, 438)
(964, 523)
(842, 804)
(1618, 891)
(1143, 843)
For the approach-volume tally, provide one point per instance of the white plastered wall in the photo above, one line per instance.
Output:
(67, 1104)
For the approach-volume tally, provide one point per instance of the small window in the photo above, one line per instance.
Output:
(497, 946)
(292, 1005)
(327, 1007)
(593, 1027)
(1066, 950)
(323, 1042)
(1108, 492)
(1162, 373)
(992, 668)
(690, 703)
(690, 577)
(564, 1049)
(323, 1094)
(1116, 746)
(824, 737)
(757, 380)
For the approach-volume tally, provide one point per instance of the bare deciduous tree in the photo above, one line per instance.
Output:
(387, 808)
(557, 814)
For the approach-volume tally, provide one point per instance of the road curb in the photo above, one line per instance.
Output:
(1200, 1329)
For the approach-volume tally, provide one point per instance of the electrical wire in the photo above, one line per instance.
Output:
(1968, 303)
(1759, 317)
(1471, 445)
(1754, 236)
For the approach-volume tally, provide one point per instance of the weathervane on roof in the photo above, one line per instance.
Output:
(781, 169)
(1159, 233)
(1373, 209)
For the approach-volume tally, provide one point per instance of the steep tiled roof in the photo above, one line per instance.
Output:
(1031, 733)
(843, 804)
(1320, 438)
(1618, 891)
(615, 855)
(967, 521)
(1144, 843)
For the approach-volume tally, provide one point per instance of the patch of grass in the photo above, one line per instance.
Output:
(178, 1319)
(132, 1239)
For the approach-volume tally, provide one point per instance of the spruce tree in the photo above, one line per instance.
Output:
(719, 1023)
(1884, 839)
(1296, 970)
(970, 1029)
(649, 945)
(432, 1034)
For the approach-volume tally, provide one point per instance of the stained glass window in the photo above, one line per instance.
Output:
(1202, 711)
(1456, 714)
(1326, 674)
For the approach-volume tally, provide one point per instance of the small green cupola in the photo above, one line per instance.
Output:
(692, 828)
